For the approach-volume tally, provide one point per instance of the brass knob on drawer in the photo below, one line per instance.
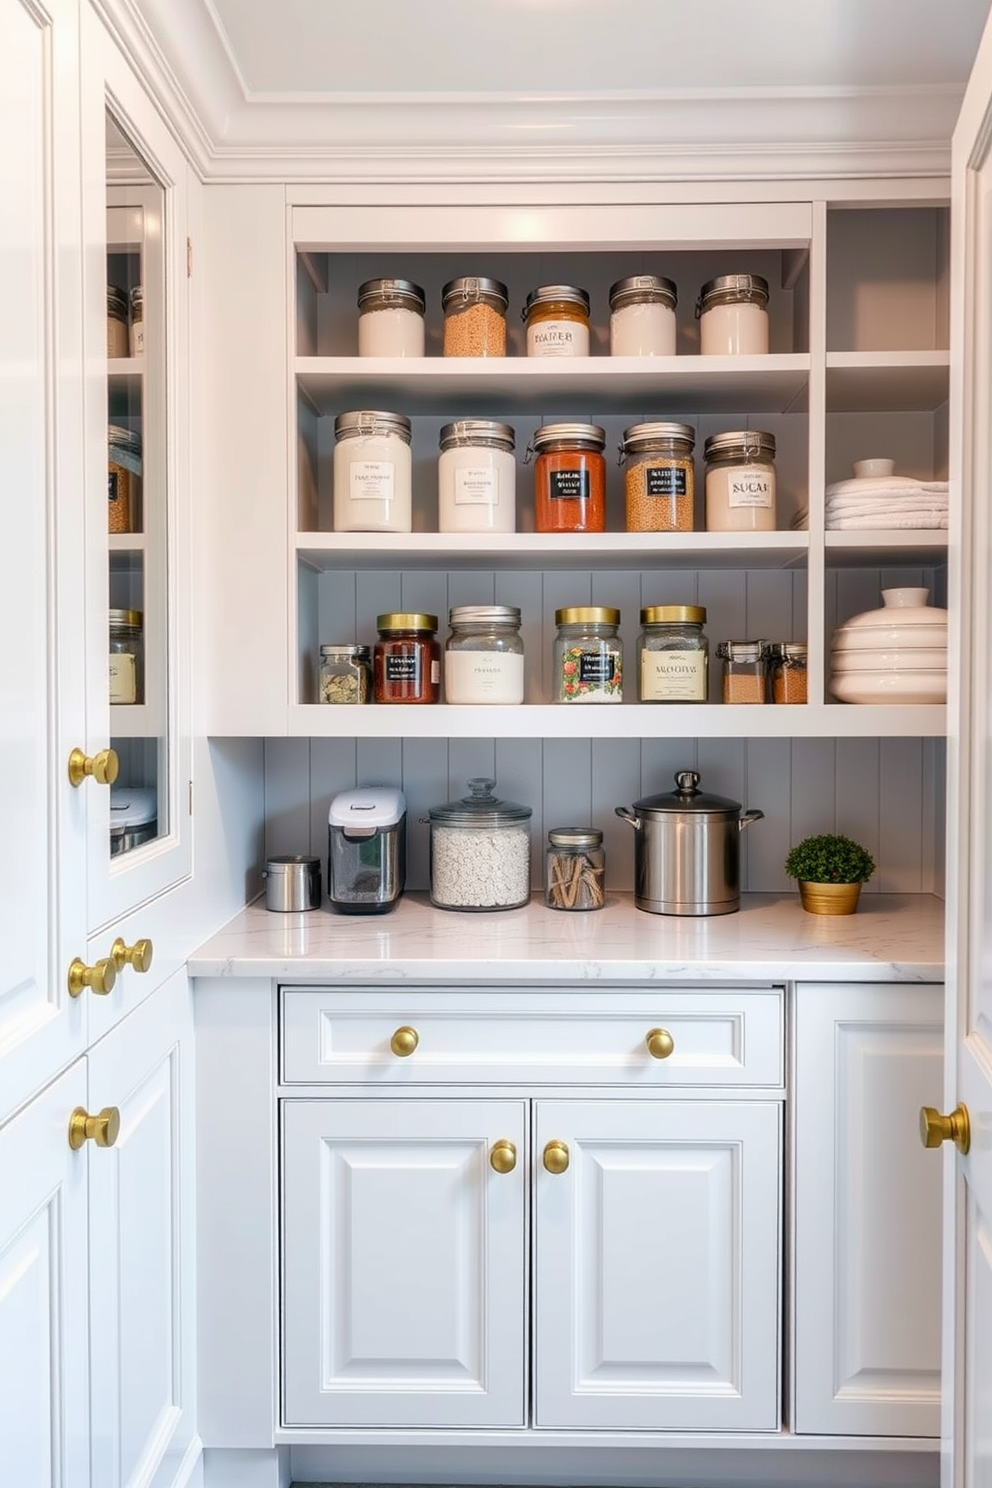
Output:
(100, 978)
(138, 955)
(660, 1043)
(956, 1128)
(103, 766)
(503, 1157)
(556, 1157)
(404, 1041)
(102, 1129)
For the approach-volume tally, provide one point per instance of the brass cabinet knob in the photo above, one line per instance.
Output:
(138, 955)
(935, 1128)
(103, 1129)
(660, 1043)
(404, 1041)
(100, 978)
(103, 766)
(503, 1157)
(556, 1157)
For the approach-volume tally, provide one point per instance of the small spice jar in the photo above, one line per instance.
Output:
(740, 481)
(575, 869)
(373, 472)
(642, 316)
(480, 851)
(588, 657)
(557, 321)
(673, 655)
(117, 334)
(659, 484)
(391, 318)
(474, 317)
(743, 671)
(345, 673)
(123, 478)
(484, 655)
(137, 339)
(406, 662)
(477, 477)
(733, 316)
(785, 662)
(569, 478)
(127, 657)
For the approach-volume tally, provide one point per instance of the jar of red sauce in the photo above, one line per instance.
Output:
(406, 663)
(569, 478)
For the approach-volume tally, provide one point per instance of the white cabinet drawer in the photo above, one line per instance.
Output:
(719, 1037)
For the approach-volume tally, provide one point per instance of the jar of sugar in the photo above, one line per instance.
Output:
(480, 851)
(733, 316)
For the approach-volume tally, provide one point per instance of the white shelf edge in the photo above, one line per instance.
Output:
(135, 721)
(126, 542)
(886, 360)
(552, 369)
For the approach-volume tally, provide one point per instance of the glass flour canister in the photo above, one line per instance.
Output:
(659, 483)
(673, 655)
(569, 478)
(642, 318)
(127, 657)
(477, 477)
(373, 472)
(391, 318)
(557, 321)
(123, 479)
(733, 316)
(743, 671)
(406, 662)
(484, 655)
(474, 317)
(740, 481)
(480, 851)
(345, 673)
(117, 332)
(588, 656)
(786, 663)
(575, 869)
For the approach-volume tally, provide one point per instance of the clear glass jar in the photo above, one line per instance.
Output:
(127, 657)
(406, 662)
(642, 316)
(137, 339)
(787, 672)
(659, 480)
(569, 478)
(484, 655)
(474, 317)
(733, 316)
(557, 321)
(373, 472)
(673, 655)
(588, 658)
(477, 477)
(391, 318)
(743, 671)
(345, 673)
(575, 869)
(480, 851)
(123, 479)
(740, 482)
(117, 333)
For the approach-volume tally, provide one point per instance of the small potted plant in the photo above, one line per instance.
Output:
(830, 869)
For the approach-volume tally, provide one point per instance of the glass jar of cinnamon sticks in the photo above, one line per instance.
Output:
(575, 869)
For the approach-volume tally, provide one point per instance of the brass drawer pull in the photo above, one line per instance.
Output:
(503, 1157)
(100, 978)
(660, 1044)
(556, 1157)
(404, 1041)
(138, 955)
(102, 1129)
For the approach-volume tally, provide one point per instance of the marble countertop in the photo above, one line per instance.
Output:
(892, 937)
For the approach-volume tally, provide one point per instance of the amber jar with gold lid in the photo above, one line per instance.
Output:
(406, 663)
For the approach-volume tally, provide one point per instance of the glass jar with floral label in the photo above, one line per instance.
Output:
(588, 659)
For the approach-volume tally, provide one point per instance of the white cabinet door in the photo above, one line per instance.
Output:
(657, 1265)
(44, 1416)
(867, 1211)
(403, 1263)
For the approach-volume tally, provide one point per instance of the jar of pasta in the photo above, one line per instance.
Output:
(477, 477)
(373, 472)
(588, 660)
(659, 487)
(673, 655)
(733, 316)
(557, 321)
(391, 318)
(642, 316)
(474, 317)
(740, 481)
(569, 478)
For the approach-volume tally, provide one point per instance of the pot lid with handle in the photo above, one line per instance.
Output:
(687, 797)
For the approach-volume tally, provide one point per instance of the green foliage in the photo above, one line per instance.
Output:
(830, 858)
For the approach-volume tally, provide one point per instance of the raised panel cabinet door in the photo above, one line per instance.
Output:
(44, 1402)
(867, 1211)
(403, 1262)
(657, 1237)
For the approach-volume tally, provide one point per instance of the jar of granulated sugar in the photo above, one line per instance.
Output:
(733, 316)
(740, 481)
(642, 319)
(373, 472)
(480, 851)
(476, 477)
(390, 318)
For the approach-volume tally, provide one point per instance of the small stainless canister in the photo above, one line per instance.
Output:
(292, 883)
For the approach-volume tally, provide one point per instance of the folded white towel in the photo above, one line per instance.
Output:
(934, 521)
(892, 484)
(849, 506)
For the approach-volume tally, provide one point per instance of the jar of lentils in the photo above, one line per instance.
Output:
(477, 477)
(406, 662)
(474, 317)
(557, 321)
(588, 656)
(373, 472)
(569, 478)
(743, 671)
(484, 655)
(391, 318)
(673, 655)
(733, 316)
(642, 316)
(740, 481)
(659, 485)
(345, 673)
(787, 672)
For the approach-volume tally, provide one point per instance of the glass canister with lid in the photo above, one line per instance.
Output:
(118, 340)
(673, 655)
(743, 671)
(659, 481)
(391, 318)
(557, 321)
(345, 673)
(484, 655)
(480, 851)
(127, 657)
(569, 478)
(406, 662)
(123, 479)
(786, 663)
(733, 315)
(642, 316)
(740, 481)
(575, 869)
(373, 472)
(588, 657)
(474, 317)
(477, 477)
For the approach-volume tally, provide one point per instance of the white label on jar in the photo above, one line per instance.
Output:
(476, 487)
(673, 676)
(137, 338)
(123, 677)
(483, 677)
(551, 338)
(371, 480)
(749, 485)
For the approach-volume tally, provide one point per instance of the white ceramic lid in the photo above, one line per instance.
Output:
(900, 607)
(368, 807)
(132, 806)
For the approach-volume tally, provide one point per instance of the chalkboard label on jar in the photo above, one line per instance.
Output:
(598, 668)
(569, 485)
(403, 668)
(666, 480)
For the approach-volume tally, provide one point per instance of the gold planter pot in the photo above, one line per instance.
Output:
(829, 898)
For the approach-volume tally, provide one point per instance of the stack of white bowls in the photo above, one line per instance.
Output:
(897, 654)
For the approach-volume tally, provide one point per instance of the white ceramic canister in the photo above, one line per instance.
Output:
(476, 477)
(642, 316)
(733, 316)
(373, 472)
(740, 481)
(484, 655)
(390, 318)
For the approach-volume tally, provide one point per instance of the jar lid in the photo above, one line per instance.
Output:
(124, 438)
(475, 432)
(587, 615)
(117, 302)
(332, 651)
(361, 811)
(640, 288)
(640, 434)
(575, 837)
(137, 297)
(589, 436)
(481, 614)
(667, 614)
(687, 797)
(480, 808)
(733, 289)
(366, 421)
(740, 650)
(468, 291)
(406, 620)
(134, 618)
(549, 292)
(132, 806)
(785, 651)
(402, 293)
(749, 443)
